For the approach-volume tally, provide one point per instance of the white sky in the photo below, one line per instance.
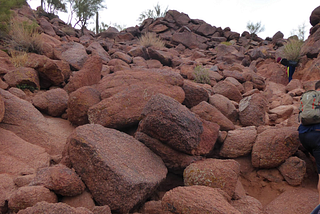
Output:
(274, 15)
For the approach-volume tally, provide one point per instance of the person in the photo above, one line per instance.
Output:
(309, 136)
(291, 66)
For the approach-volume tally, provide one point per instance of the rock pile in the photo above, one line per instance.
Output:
(145, 137)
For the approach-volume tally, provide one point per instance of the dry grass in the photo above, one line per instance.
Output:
(19, 59)
(25, 37)
(151, 40)
(291, 50)
(201, 75)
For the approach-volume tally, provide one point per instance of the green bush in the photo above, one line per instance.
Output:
(291, 49)
(201, 75)
(150, 39)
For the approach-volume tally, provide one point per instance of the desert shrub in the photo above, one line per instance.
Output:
(201, 75)
(291, 49)
(5, 14)
(150, 39)
(18, 59)
(226, 43)
(25, 86)
(25, 37)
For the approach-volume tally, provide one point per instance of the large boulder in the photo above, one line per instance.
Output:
(125, 93)
(53, 102)
(293, 170)
(54, 208)
(315, 16)
(30, 195)
(2, 108)
(22, 118)
(20, 157)
(72, 52)
(89, 74)
(59, 179)
(239, 142)
(23, 77)
(195, 94)
(228, 90)
(225, 106)
(248, 205)
(197, 199)
(7, 186)
(214, 173)
(298, 200)
(96, 49)
(168, 121)
(174, 160)
(118, 170)
(252, 110)
(51, 72)
(210, 113)
(79, 103)
(274, 146)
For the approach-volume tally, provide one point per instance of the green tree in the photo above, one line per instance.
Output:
(85, 9)
(254, 29)
(52, 6)
(152, 13)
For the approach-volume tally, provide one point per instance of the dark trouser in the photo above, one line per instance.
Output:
(290, 71)
(311, 142)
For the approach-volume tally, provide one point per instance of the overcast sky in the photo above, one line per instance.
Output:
(274, 15)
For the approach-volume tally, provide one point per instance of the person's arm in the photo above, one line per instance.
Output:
(284, 62)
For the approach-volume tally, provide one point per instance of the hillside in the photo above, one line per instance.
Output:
(197, 119)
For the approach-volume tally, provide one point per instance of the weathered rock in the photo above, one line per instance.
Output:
(83, 200)
(104, 159)
(96, 49)
(252, 110)
(79, 102)
(51, 72)
(274, 146)
(248, 205)
(225, 106)
(282, 112)
(122, 56)
(59, 179)
(125, 93)
(299, 200)
(118, 65)
(7, 186)
(22, 118)
(315, 16)
(29, 196)
(54, 208)
(228, 90)
(20, 157)
(175, 17)
(162, 56)
(210, 113)
(74, 53)
(89, 75)
(229, 54)
(168, 121)
(293, 170)
(214, 173)
(53, 102)
(5, 62)
(189, 39)
(46, 27)
(2, 108)
(197, 199)
(22, 77)
(153, 207)
(101, 210)
(194, 94)
(174, 160)
(139, 51)
(239, 142)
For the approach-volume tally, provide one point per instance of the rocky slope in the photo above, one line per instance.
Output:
(118, 127)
